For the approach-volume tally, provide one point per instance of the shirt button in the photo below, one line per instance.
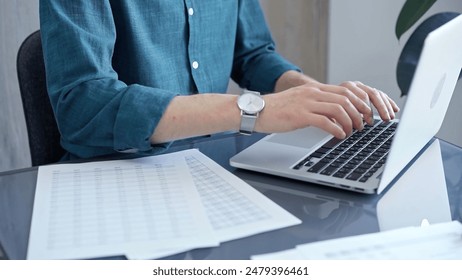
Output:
(191, 11)
(195, 64)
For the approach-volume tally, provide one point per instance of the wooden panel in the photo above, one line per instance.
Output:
(17, 20)
(299, 28)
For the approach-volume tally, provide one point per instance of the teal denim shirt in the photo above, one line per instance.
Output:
(113, 66)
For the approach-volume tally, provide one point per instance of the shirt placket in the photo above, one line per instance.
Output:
(194, 45)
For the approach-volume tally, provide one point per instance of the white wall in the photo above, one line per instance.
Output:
(363, 46)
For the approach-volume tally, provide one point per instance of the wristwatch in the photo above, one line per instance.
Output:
(251, 104)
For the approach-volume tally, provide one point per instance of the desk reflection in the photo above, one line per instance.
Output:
(419, 194)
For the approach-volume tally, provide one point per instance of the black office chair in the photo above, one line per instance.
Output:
(44, 137)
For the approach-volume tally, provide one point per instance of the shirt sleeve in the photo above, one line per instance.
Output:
(257, 65)
(96, 112)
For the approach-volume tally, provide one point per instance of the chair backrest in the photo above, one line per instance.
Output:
(42, 130)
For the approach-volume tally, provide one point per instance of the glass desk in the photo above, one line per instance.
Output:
(326, 213)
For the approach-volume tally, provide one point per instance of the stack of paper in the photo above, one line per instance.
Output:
(144, 208)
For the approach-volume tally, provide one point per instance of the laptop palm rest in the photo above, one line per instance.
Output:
(306, 138)
(281, 151)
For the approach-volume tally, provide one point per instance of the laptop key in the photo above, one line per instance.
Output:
(360, 170)
(331, 143)
(339, 174)
(317, 155)
(335, 164)
(363, 179)
(368, 174)
(354, 176)
(318, 166)
(330, 156)
(328, 170)
(345, 170)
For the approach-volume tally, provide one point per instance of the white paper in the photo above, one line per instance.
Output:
(234, 208)
(434, 242)
(438, 241)
(109, 208)
(291, 254)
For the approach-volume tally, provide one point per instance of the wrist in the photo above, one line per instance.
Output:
(291, 79)
(250, 104)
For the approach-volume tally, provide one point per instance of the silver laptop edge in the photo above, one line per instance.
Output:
(436, 75)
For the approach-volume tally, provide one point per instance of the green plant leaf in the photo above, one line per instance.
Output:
(410, 13)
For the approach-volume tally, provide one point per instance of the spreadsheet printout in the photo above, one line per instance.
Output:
(234, 208)
(99, 209)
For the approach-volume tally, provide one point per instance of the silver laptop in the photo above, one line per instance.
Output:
(368, 161)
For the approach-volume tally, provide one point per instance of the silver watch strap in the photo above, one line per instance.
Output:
(247, 123)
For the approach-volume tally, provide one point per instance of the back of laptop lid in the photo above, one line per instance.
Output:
(431, 90)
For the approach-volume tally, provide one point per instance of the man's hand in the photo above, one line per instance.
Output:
(335, 109)
(385, 106)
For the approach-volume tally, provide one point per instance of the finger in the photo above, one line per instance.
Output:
(328, 125)
(353, 87)
(376, 98)
(342, 110)
(386, 100)
(358, 97)
(393, 104)
(336, 113)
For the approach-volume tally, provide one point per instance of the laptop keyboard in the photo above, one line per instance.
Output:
(355, 158)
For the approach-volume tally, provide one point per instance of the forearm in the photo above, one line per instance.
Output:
(291, 79)
(202, 114)
(195, 115)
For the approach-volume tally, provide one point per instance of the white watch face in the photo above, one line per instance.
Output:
(251, 103)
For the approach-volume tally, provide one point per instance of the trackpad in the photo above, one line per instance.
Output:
(303, 138)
